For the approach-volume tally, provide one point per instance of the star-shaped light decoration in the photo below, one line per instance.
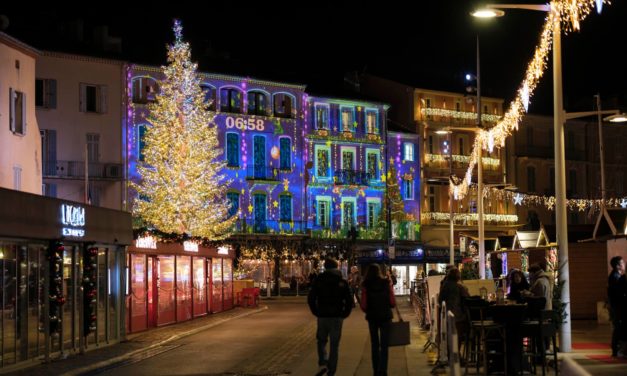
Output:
(275, 203)
(329, 143)
(250, 208)
(518, 199)
(581, 205)
(286, 184)
(336, 190)
(623, 203)
(550, 203)
(243, 191)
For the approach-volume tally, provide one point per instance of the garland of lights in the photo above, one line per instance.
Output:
(487, 161)
(568, 13)
(459, 114)
(549, 201)
(469, 218)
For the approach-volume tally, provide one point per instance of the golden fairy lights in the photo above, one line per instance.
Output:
(458, 114)
(569, 13)
(182, 190)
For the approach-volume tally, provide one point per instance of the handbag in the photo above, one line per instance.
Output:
(399, 331)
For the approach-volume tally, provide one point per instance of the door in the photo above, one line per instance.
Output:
(216, 277)
(49, 151)
(93, 147)
(166, 290)
(259, 157)
(183, 288)
(259, 213)
(152, 296)
(141, 276)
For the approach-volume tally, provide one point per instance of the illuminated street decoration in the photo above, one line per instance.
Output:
(518, 199)
(569, 13)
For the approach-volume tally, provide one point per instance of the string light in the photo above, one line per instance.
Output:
(468, 218)
(569, 13)
(458, 114)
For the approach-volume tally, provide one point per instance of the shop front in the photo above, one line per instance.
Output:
(61, 267)
(174, 282)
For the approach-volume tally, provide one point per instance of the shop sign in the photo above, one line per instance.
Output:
(190, 246)
(148, 242)
(223, 250)
(73, 220)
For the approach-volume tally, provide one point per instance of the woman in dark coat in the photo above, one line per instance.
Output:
(517, 283)
(377, 300)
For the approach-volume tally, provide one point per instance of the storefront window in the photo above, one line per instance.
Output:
(183, 288)
(138, 293)
(227, 276)
(165, 287)
(216, 275)
(102, 294)
(113, 291)
(200, 286)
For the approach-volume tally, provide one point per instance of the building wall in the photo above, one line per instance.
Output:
(74, 123)
(19, 153)
(246, 178)
(402, 113)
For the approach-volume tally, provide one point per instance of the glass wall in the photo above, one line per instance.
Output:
(199, 286)
(138, 294)
(227, 281)
(166, 290)
(216, 282)
(183, 288)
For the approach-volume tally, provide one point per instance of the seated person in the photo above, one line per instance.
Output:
(517, 282)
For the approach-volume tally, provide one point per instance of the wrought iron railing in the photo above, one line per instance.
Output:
(352, 177)
(263, 226)
(76, 170)
(262, 173)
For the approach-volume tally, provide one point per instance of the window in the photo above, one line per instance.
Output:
(461, 146)
(430, 144)
(322, 161)
(372, 160)
(322, 116)
(408, 151)
(285, 152)
(46, 93)
(48, 151)
(408, 189)
(231, 100)
(232, 150)
(572, 182)
(485, 109)
(428, 105)
(349, 214)
(374, 208)
(209, 95)
(17, 178)
(141, 142)
(431, 196)
(233, 198)
(283, 104)
(348, 159)
(531, 179)
(17, 116)
(285, 208)
(372, 126)
(49, 190)
(458, 106)
(346, 119)
(323, 213)
(93, 98)
(93, 147)
(256, 103)
(144, 90)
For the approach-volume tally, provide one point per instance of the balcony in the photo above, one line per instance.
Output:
(76, 170)
(352, 177)
(252, 226)
(459, 161)
(401, 230)
(457, 118)
(468, 219)
(262, 173)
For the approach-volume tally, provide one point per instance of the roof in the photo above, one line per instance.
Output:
(611, 223)
(18, 45)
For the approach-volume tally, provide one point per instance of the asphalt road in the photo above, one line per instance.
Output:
(273, 342)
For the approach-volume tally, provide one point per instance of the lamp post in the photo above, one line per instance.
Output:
(493, 10)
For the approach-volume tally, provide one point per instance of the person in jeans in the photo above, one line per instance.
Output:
(330, 300)
(616, 296)
(377, 300)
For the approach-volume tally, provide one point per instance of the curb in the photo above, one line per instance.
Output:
(117, 359)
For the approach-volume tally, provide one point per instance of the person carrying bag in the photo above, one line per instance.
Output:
(377, 301)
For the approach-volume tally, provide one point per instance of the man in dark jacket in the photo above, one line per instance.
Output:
(617, 295)
(331, 302)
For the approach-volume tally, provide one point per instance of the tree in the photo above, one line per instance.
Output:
(182, 190)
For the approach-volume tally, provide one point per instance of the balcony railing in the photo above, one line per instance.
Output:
(401, 230)
(441, 161)
(76, 170)
(352, 177)
(467, 219)
(253, 226)
(443, 115)
(262, 173)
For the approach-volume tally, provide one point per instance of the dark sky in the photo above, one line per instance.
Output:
(428, 44)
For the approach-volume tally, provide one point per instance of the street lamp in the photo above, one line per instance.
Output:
(560, 162)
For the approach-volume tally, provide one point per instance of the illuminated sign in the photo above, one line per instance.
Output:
(245, 124)
(223, 250)
(146, 242)
(73, 220)
(190, 246)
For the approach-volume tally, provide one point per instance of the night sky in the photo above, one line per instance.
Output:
(427, 44)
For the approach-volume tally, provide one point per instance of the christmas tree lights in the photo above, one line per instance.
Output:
(182, 190)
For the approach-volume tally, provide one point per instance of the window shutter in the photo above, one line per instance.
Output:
(102, 90)
(52, 93)
(82, 101)
(24, 115)
(11, 110)
(52, 154)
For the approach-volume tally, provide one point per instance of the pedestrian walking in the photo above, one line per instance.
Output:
(354, 280)
(377, 301)
(331, 302)
(616, 296)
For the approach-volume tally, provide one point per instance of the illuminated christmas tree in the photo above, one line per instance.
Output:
(394, 198)
(182, 190)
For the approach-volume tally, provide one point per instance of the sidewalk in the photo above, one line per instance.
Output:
(137, 344)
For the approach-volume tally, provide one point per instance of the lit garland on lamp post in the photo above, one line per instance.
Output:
(182, 190)
(569, 13)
